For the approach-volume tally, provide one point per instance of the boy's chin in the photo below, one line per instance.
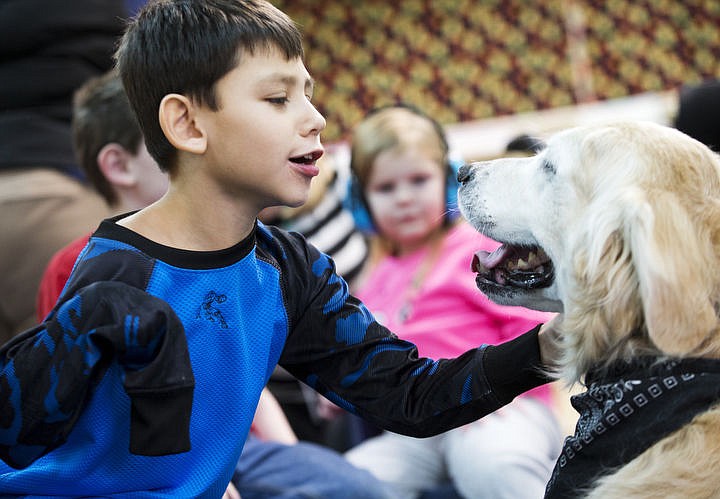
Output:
(288, 201)
(295, 203)
(296, 200)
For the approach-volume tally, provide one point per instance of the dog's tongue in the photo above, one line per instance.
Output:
(484, 260)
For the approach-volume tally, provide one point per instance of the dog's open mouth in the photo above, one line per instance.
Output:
(526, 267)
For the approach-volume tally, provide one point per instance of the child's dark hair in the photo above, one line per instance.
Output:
(101, 115)
(186, 46)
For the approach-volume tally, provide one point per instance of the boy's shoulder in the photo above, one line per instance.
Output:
(109, 256)
(112, 253)
(287, 247)
(101, 261)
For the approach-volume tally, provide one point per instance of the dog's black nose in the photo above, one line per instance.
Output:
(465, 174)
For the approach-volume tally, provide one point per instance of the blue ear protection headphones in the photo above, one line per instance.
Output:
(355, 200)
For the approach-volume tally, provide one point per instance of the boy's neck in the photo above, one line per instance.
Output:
(188, 223)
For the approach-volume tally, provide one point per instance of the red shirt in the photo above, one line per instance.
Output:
(56, 275)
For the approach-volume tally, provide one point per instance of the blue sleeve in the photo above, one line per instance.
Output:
(47, 374)
(336, 346)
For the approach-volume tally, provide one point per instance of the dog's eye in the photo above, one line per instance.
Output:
(548, 166)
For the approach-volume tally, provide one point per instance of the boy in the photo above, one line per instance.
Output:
(145, 376)
(109, 145)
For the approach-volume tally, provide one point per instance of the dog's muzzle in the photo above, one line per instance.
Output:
(517, 266)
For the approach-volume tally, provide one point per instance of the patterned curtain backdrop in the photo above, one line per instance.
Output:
(463, 60)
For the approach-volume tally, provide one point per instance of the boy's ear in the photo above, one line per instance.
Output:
(178, 122)
(113, 162)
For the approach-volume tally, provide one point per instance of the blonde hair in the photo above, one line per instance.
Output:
(398, 128)
(393, 128)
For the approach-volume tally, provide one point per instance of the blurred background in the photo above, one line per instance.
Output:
(491, 69)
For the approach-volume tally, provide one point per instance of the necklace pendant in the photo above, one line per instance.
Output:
(404, 312)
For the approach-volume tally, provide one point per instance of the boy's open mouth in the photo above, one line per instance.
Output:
(307, 159)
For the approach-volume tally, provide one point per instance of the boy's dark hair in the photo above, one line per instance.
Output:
(101, 115)
(186, 46)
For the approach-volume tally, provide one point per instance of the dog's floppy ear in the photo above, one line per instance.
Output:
(674, 264)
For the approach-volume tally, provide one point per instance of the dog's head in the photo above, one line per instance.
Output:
(618, 227)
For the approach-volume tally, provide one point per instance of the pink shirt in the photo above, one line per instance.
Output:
(446, 315)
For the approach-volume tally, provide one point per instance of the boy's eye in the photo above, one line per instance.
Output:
(278, 100)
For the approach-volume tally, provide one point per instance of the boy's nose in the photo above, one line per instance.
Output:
(316, 121)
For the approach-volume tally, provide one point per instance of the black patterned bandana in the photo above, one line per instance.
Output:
(626, 409)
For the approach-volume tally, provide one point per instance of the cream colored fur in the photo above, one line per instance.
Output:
(630, 215)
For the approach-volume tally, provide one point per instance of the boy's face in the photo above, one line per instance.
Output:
(264, 141)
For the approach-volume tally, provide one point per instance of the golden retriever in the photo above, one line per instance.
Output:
(617, 226)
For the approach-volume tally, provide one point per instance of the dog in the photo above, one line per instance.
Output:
(617, 227)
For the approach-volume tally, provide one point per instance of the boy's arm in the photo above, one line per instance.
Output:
(47, 374)
(385, 382)
(337, 347)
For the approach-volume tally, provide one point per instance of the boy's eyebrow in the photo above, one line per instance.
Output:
(289, 80)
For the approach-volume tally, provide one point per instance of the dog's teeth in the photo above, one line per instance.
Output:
(522, 264)
(531, 257)
(511, 265)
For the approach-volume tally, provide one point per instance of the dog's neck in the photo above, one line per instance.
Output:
(627, 407)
